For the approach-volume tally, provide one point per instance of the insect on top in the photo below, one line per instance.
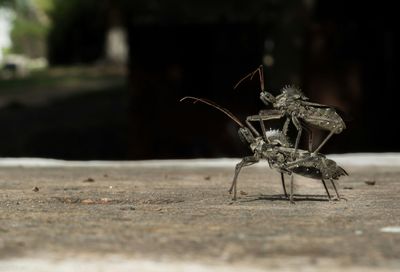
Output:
(295, 107)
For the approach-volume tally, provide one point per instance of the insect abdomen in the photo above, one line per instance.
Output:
(324, 118)
(308, 171)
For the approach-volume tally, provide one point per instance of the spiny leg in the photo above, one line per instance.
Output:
(283, 185)
(246, 161)
(334, 186)
(326, 189)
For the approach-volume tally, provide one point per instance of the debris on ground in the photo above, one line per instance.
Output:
(88, 180)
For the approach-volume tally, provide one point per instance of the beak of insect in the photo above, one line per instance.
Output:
(267, 98)
(264, 99)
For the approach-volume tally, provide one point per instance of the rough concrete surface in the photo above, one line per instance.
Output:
(174, 218)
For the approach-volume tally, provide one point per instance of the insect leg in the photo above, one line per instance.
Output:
(264, 115)
(253, 129)
(326, 189)
(291, 189)
(264, 133)
(324, 141)
(246, 161)
(334, 186)
(271, 114)
(295, 163)
(297, 124)
(286, 126)
(283, 185)
(310, 138)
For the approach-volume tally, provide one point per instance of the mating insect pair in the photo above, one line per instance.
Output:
(274, 147)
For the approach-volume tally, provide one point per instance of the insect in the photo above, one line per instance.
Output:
(279, 157)
(294, 105)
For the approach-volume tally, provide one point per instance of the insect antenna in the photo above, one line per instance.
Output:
(251, 75)
(214, 105)
(243, 79)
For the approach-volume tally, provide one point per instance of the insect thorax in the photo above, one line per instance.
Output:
(275, 136)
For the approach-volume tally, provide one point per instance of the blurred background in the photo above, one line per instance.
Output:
(102, 79)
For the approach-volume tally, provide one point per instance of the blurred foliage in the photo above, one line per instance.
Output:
(7, 3)
(30, 26)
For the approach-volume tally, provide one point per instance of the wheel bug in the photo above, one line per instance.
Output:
(293, 104)
(305, 163)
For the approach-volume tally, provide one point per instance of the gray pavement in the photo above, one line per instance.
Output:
(172, 217)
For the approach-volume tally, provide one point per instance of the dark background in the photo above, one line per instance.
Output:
(341, 53)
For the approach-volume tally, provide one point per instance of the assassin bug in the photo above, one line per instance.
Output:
(304, 163)
(294, 105)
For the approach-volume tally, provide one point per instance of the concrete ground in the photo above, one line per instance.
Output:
(178, 216)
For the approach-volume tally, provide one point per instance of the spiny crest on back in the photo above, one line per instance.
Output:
(294, 91)
(275, 136)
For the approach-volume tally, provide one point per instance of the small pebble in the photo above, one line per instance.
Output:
(207, 177)
(89, 180)
(370, 182)
(35, 189)
(88, 201)
(130, 208)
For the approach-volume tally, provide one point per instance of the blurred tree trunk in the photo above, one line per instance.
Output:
(116, 44)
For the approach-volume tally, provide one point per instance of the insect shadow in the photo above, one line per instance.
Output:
(282, 197)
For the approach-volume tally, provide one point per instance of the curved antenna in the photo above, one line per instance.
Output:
(260, 71)
(214, 105)
(240, 81)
